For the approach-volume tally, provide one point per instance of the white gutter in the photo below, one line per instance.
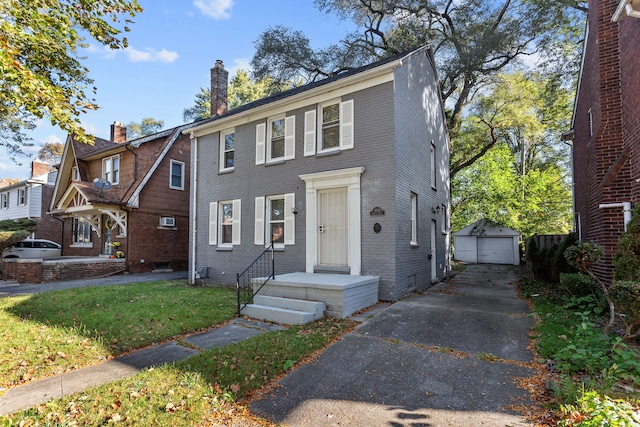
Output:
(626, 210)
(194, 211)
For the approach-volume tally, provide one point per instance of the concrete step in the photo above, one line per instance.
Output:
(315, 307)
(277, 315)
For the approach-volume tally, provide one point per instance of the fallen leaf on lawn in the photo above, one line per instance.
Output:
(235, 388)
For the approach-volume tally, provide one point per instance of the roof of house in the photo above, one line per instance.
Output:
(307, 87)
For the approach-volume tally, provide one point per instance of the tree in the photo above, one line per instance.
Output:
(40, 69)
(522, 182)
(14, 230)
(242, 90)
(51, 152)
(147, 126)
(472, 42)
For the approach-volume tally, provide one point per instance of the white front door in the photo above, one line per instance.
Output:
(434, 261)
(333, 227)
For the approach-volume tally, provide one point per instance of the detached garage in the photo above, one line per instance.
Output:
(486, 243)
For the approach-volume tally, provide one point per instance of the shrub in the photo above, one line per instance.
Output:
(626, 296)
(627, 261)
(559, 263)
(576, 284)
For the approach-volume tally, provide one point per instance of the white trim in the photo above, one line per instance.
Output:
(310, 133)
(320, 129)
(259, 226)
(346, 125)
(289, 219)
(268, 146)
(349, 178)
(260, 143)
(111, 170)
(290, 138)
(213, 223)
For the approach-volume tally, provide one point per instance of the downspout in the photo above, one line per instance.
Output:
(194, 211)
(626, 210)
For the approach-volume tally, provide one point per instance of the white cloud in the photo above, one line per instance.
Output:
(51, 139)
(103, 51)
(151, 55)
(239, 64)
(217, 9)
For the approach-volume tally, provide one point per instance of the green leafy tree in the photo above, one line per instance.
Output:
(41, 73)
(51, 152)
(242, 90)
(472, 42)
(12, 231)
(522, 182)
(147, 126)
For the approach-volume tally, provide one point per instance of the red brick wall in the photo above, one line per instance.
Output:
(49, 227)
(37, 271)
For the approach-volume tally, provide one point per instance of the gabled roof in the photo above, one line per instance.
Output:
(390, 62)
(485, 227)
(80, 153)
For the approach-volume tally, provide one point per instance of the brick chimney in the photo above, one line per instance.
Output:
(118, 132)
(219, 84)
(39, 168)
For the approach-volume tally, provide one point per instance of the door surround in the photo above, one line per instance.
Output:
(349, 178)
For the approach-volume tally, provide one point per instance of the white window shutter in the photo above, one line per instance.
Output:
(310, 133)
(346, 125)
(261, 133)
(289, 219)
(213, 223)
(235, 238)
(290, 138)
(259, 230)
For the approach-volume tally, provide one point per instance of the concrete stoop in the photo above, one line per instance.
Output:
(287, 311)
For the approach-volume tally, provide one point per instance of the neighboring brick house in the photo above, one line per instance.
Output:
(29, 199)
(349, 175)
(606, 126)
(143, 205)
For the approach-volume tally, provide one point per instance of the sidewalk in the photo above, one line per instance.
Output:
(37, 392)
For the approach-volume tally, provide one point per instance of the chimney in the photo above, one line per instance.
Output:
(39, 168)
(219, 83)
(118, 132)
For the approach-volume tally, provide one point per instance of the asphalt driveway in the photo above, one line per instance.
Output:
(451, 356)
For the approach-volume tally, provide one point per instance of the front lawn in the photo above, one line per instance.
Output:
(202, 390)
(55, 332)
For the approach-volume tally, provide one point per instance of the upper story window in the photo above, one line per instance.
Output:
(224, 223)
(329, 128)
(75, 174)
(176, 181)
(22, 196)
(4, 201)
(111, 169)
(275, 140)
(227, 149)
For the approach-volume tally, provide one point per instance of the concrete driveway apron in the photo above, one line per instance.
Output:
(450, 356)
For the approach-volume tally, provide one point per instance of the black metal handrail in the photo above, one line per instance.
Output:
(261, 268)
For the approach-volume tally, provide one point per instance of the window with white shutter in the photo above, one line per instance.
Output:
(261, 132)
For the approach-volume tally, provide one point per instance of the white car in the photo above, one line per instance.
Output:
(33, 249)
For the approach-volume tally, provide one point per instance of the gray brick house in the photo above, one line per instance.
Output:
(348, 175)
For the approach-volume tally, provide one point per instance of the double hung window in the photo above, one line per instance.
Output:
(275, 220)
(275, 140)
(414, 219)
(81, 230)
(224, 223)
(4, 201)
(329, 128)
(227, 149)
(22, 196)
(176, 180)
(111, 169)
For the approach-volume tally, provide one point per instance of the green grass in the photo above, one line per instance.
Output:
(201, 390)
(51, 333)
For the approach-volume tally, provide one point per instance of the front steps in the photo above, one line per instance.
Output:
(287, 311)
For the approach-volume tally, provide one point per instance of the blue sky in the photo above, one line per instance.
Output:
(172, 46)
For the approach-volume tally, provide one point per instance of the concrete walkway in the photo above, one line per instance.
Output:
(37, 392)
(449, 357)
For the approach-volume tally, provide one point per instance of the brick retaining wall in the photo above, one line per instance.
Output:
(43, 271)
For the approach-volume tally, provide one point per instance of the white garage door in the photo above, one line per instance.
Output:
(495, 250)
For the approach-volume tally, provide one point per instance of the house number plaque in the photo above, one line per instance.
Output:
(377, 211)
(377, 227)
